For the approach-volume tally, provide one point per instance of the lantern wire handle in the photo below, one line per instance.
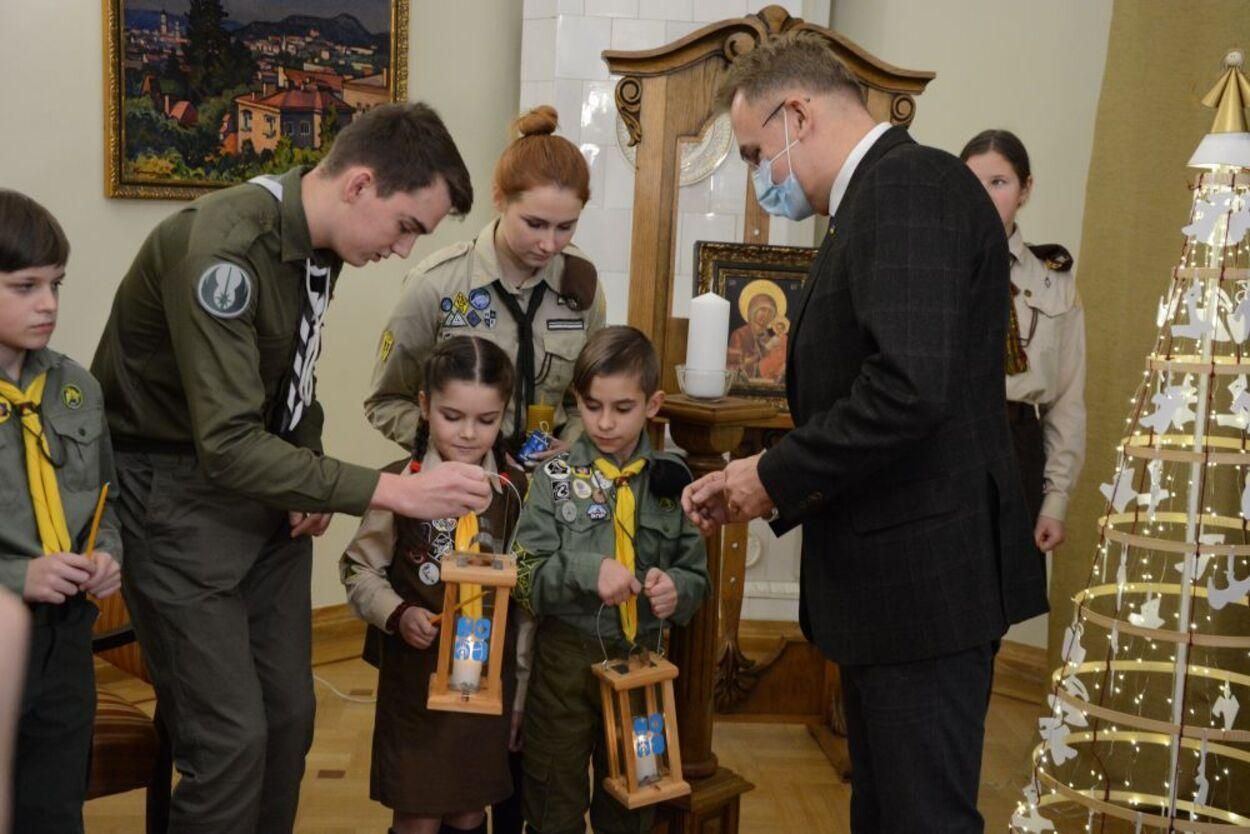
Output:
(659, 640)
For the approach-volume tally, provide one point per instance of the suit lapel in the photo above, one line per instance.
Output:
(891, 138)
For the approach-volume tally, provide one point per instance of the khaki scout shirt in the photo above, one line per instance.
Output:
(561, 541)
(200, 343)
(1049, 307)
(72, 415)
(450, 294)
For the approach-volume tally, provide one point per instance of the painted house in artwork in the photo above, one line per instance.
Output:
(296, 113)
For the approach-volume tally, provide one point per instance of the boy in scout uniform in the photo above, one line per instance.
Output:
(208, 368)
(605, 556)
(54, 459)
(520, 283)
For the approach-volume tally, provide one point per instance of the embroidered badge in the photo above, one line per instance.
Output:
(667, 505)
(490, 316)
(581, 471)
(599, 497)
(566, 324)
(445, 305)
(557, 469)
(71, 395)
(479, 298)
(429, 573)
(461, 303)
(581, 488)
(567, 511)
(601, 480)
(596, 512)
(560, 490)
(440, 544)
(455, 319)
(224, 290)
(473, 318)
(444, 525)
(388, 342)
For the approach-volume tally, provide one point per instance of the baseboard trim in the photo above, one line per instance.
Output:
(337, 634)
(1020, 672)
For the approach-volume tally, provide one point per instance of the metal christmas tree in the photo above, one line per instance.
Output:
(1146, 731)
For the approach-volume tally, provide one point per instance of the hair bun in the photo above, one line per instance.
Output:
(540, 121)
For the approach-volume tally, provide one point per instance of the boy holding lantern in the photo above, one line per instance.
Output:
(605, 557)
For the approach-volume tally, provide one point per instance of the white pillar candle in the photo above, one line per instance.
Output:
(466, 667)
(708, 338)
(646, 769)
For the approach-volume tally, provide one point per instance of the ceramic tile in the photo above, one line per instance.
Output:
(618, 192)
(538, 45)
(638, 34)
(598, 114)
(616, 290)
(665, 9)
(604, 235)
(728, 185)
(710, 11)
(534, 9)
(534, 93)
(677, 29)
(579, 42)
(596, 158)
(567, 100)
(570, 6)
(612, 8)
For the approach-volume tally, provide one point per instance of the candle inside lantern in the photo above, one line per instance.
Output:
(647, 745)
(468, 653)
(706, 344)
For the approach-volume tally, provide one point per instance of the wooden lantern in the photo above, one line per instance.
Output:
(640, 727)
(470, 648)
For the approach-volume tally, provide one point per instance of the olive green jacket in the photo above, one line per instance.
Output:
(200, 343)
(560, 550)
(72, 415)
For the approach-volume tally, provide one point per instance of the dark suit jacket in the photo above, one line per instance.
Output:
(916, 539)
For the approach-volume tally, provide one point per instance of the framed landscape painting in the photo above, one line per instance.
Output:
(762, 284)
(203, 94)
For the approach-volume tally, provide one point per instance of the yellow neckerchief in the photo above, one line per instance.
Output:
(45, 496)
(624, 517)
(466, 542)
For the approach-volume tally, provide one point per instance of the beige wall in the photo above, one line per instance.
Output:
(463, 59)
(1033, 68)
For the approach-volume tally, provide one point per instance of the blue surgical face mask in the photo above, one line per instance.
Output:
(786, 198)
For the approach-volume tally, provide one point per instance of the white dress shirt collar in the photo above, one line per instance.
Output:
(856, 156)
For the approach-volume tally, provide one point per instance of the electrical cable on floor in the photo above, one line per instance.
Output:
(343, 696)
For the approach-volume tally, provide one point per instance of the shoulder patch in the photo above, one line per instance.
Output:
(443, 255)
(669, 476)
(386, 346)
(578, 282)
(224, 290)
(1053, 256)
(71, 395)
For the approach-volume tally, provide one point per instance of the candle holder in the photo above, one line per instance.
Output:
(640, 728)
(708, 385)
(470, 647)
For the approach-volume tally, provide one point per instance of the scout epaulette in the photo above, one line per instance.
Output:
(1053, 255)
(578, 282)
(443, 255)
(669, 476)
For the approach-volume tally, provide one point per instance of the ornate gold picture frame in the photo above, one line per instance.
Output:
(762, 285)
(204, 94)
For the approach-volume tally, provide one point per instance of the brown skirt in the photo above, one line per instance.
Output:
(428, 762)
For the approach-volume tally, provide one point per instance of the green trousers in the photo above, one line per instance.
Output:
(563, 731)
(220, 596)
(58, 713)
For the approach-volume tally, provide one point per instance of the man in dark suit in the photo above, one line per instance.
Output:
(916, 540)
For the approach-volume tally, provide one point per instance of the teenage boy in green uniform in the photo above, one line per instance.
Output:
(602, 525)
(54, 459)
(208, 368)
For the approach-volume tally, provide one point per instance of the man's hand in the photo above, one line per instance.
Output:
(416, 629)
(1049, 533)
(661, 592)
(308, 524)
(745, 495)
(616, 583)
(704, 502)
(448, 490)
(514, 734)
(55, 577)
(106, 575)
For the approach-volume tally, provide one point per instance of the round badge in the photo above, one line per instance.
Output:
(601, 480)
(71, 395)
(480, 299)
(428, 573)
(224, 290)
(581, 489)
(597, 512)
(445, 305)
(444, 525)
(567, 511)
(557, 469)
(599, 497)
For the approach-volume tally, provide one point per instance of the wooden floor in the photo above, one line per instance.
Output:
(796, 789)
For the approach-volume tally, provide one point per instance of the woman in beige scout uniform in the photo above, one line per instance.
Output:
(1045, 343)
(519, 284)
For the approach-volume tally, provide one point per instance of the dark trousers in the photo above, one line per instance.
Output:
(915, 732)
(58, 713)
(220, 598)
(1028, 444)
(506, 816)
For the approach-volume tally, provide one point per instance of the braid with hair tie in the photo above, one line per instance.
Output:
(421, 442)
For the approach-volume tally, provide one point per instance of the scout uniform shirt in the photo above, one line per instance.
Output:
(454, 293)
(566, 530)
(204, 340)
(1052, 331)
(72, 416)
